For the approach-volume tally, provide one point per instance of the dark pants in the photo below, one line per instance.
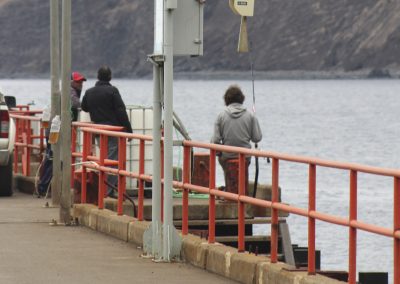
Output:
(46, 171)
(112, 155)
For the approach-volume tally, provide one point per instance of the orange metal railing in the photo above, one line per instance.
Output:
(103, 165)
(74, 141)
(28, 131)
(351, 221)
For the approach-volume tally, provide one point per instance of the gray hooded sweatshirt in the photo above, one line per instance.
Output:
(236, 126)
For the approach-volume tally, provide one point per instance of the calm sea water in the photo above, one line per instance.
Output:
(343, 120)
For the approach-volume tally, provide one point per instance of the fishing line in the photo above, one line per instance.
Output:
(252, 77)
(254, 112)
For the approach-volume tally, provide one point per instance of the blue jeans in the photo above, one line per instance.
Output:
(112, 155)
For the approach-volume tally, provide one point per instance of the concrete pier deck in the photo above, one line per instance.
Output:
(32, 251)
(39, 253)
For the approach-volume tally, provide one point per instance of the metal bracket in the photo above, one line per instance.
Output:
(197, 41)
(152, 247)
(156, 59)
(177, 143)
(174, 245)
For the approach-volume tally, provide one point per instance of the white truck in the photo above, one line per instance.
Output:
(7, 140)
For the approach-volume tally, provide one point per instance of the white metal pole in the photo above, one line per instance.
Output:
(156, 184)
(168, 131)
(55, 92)
(65, 135)
(152, 237)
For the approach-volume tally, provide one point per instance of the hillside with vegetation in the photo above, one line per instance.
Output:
(288, 38)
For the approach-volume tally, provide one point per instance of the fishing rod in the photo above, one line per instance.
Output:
(254, 112)
(245, 46)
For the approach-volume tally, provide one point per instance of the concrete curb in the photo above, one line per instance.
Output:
(136, 231)
(195, 250)
(216, 258)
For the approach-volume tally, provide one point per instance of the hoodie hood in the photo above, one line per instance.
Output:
(235, 110)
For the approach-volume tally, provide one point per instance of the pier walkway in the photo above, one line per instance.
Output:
(32, 251)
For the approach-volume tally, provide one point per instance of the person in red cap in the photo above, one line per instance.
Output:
(77, 80)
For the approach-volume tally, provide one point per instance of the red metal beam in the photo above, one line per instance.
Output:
(312, 176)
(211, 206)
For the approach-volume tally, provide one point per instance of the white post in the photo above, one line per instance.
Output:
(152, 238)
(65, 135)
(162, 243)
(55, 92)
(156, 184)
(168, 129)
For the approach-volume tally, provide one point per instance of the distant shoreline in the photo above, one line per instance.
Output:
(246, 75)
(290, 75)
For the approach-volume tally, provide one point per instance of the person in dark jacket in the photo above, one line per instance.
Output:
(105, 106)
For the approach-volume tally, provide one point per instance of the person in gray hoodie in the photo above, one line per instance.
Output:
(235, 126)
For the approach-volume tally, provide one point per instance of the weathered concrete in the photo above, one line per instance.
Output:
(243, 267)
(198, 209)
(35, 252)
(195, 250)
(81, 214)
(216, 258)
(119, 226)
(103, 220)
(219, 259)
(136, 230)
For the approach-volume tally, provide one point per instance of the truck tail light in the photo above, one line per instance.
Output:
(4, 124)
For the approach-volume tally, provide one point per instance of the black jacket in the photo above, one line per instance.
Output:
(105, 105)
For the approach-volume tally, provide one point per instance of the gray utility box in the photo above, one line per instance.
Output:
(188, 28)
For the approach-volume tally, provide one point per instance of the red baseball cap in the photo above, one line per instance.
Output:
(77, 77)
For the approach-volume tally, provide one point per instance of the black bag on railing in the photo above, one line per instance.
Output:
(10, 101)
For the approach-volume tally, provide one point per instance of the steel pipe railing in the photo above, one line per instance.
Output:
(103, 164)
(352, 222)
(312, 180)
(25, 137)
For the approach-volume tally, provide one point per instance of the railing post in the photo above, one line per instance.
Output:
(162, 181)
(211, 204)
(85, 152)
(241, 205)
(311, 221)
(353, 231)
(185, 197)
(141, 181)
(396, 227)
(73, 150)
(274, 212)
(121, 178)
(15, 146)
(41, 143)
(102, 174)
(28, 148)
